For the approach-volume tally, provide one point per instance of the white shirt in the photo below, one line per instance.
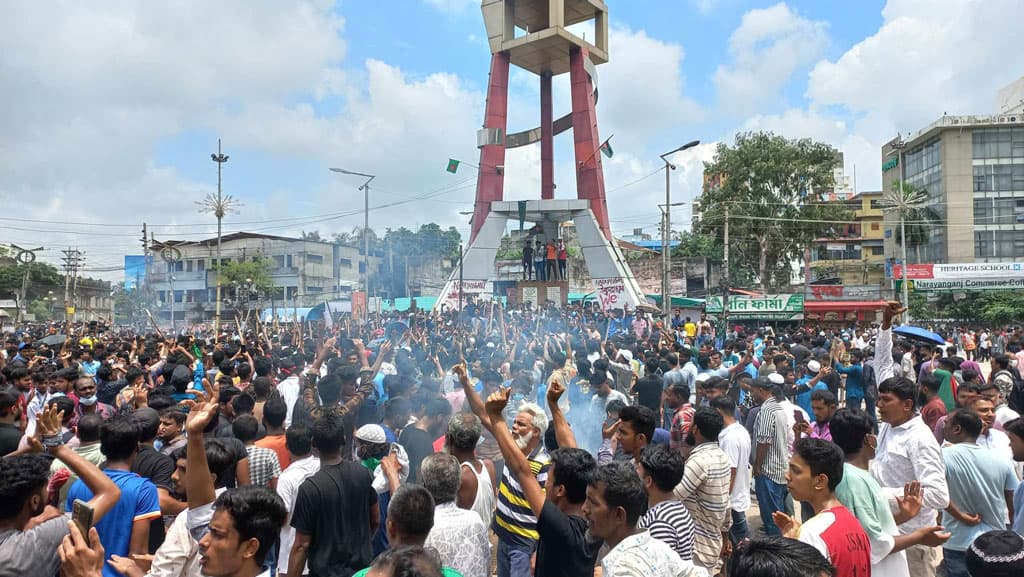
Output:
(460, 538)
(906, 453)
(641, 555)
(290, 389)
(288, 489)
(178, 556)
(788, 407)
(734, 441)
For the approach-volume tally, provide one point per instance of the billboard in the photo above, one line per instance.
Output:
(970, 270)
(135, 270)
(777, 307)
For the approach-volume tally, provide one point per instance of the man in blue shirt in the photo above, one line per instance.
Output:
(980, 485)
(854, 379)
(125, 529)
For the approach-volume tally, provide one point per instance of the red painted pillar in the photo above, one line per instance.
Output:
(547, 139)
(490, 184)
(586, 140)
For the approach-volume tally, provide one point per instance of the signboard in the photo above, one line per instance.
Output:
(835, 247)
(611, 292)
(838, 292)
(891, 163)
(359, 304)
(479, 289)
(957, 285)
(530, 295)
(971, 270)
(555, 294)
(777, 307)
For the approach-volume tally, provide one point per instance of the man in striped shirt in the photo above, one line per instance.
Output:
(514, 521)
(772, 453)
(668, 520)
(704, 488)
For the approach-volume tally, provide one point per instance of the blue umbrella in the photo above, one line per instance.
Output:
(919, 334)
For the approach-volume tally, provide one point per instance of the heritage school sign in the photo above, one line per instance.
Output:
(780, 307)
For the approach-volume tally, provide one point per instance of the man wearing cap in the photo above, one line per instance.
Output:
(771, 453)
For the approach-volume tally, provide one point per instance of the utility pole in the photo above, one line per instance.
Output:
(73, 258)
(461, 258)
(666, 241)
(725, 278)
(666, 236)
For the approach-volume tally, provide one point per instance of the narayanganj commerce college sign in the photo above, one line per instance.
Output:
(933, 285)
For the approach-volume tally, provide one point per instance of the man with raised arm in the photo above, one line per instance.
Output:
(564, 547)
(31, 531)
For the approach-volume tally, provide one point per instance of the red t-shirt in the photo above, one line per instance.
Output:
(839, 536)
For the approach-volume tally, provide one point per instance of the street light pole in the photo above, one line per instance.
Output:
(366, 227)
(220, 159)
(666, 231)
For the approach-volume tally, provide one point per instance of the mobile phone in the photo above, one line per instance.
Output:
(799, 416)
(81, 515)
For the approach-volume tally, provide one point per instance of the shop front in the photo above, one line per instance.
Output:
(843, 304)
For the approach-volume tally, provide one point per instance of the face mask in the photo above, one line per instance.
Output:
(88, 401)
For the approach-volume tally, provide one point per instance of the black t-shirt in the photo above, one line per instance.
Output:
(10, 437)
(333, 507)
(800, 353)
(648, 392)
(158, 468)
(418, 445)
(563, 549)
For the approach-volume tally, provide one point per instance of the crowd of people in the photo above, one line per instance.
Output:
(509, 441)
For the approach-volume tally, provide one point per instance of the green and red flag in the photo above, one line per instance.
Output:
(453, 165)
(606, 148)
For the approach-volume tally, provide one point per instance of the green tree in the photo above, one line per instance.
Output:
(313, 235)
(129, 305)
(255, 272)
(40, 309)
(696, 244)
(775, 190)
(919, 215)
(42, 278)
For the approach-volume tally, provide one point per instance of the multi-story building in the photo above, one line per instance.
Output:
(855, 255)
(304, 273)
(973, 170)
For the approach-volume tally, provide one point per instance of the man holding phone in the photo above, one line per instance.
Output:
(30, 551)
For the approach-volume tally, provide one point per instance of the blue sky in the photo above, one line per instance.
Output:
(115, 106)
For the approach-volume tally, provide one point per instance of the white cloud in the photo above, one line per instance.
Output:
(769, 45)
(452, 5)
(929, 57)
(705, 6)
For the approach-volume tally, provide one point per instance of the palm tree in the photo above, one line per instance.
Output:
(911, 204)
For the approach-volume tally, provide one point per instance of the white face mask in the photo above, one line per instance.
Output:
(87, 401)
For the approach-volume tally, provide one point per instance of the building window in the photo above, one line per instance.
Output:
(188, 266)
(345, 262)
(201, 265)
(874, 226)
(877, 250)
(314, 289)
(876, 204)
(278, 261)
(288, 261)
(315, 258)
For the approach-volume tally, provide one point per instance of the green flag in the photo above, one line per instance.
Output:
(453, 165)
(606, 148)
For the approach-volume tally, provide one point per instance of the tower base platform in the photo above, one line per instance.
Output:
(613, 280)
